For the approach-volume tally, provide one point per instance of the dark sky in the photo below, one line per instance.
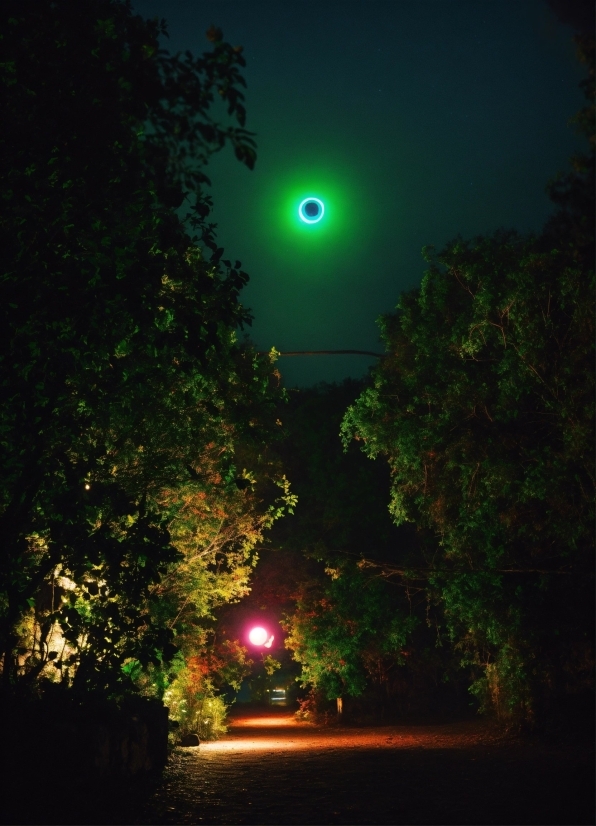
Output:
(414, 121)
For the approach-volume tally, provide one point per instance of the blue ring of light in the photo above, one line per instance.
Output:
(306, 218)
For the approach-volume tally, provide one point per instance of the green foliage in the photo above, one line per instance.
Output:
(125, 391)
(484, 408)
(215, 526)
(342, 515)
(193, 699)
(346, 631)
(202, 713)
(271, 665)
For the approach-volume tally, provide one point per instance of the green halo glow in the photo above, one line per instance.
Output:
(324, 248)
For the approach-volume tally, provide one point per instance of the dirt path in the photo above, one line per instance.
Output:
(270, 770)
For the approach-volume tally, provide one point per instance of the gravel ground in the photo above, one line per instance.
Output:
(271, 770)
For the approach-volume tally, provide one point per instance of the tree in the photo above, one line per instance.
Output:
(484, 408)
(347, 633)
(341, 519)
(342, 497)
(216, 525)
(124, 389)
(192, 698)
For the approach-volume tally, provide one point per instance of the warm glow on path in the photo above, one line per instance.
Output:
(281, 732)
(285, 720)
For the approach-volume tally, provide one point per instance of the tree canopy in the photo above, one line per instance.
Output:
(125, 392)
(371, 642)
(346, 632)
(484, 408)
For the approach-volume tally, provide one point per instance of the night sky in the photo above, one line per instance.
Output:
(413, 121)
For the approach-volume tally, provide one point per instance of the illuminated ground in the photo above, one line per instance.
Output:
(270, 770)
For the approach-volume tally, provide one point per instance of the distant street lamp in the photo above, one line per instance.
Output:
(260, 637)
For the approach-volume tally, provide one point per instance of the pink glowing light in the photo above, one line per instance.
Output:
(258, 636)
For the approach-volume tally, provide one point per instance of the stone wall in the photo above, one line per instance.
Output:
(94, 742)
(128, 745)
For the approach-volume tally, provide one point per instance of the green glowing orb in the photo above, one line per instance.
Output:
(311, 210)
